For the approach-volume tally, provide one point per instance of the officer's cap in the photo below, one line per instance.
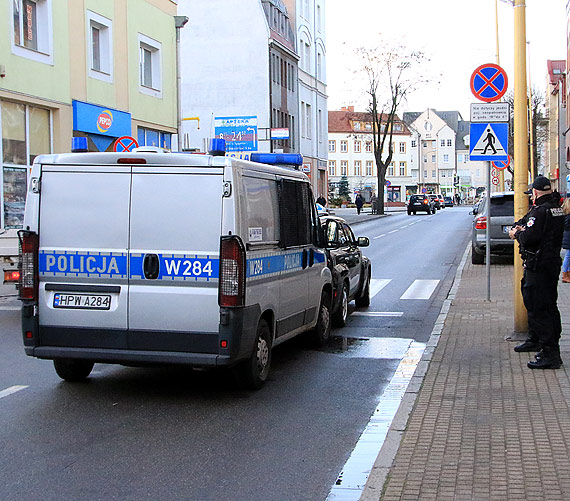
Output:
(540, 183)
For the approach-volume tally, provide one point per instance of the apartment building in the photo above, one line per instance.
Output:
(100, 69)
(555, 155)
(351, 155)
(309, 17)
(239, 76)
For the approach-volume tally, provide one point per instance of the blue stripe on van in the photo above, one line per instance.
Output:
(68, 263)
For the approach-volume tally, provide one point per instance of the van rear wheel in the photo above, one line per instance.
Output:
(252, 373)
(73, 370)
(322, 330)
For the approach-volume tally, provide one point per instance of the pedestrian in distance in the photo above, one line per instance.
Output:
(539, 234)
(566, 241)
(359, 203)
(322, 200)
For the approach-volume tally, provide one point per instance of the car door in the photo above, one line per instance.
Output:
(354, 259)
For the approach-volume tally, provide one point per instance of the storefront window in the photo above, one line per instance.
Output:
(151, 137)
(17, 144)
(39, 133)
(14, 133)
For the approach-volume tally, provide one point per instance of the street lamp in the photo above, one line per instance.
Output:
(179, 22)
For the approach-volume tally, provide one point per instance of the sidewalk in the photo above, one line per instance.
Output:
(352, 217)
(483, 425)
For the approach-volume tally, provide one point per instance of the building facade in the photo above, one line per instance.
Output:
(554, 156)
(101, 69)
(309, 16)
(351, 156)
(239, 76)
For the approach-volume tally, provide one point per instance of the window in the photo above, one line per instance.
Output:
(391, 169)
(150, 66)
(26, 133)
(309, 117)
(343, 146)
(357, 168)
(332, 146)
(425, 144)
(356, 125)
(425, 174)
(295, 208)
(442, 143)
(433, 158)
(446, 159)
(425, 159)
(332, 168)
(343, 168)
(368, 146)
(414, 144)
(357, 146)
(152, 137)
(442, 173)
(261, 202)
(319, 65)
(465, 158)
(319, 16)
(449, 142)
(402, 168)
(368, 167)
(99, 47)
(433, 174)
(32, 29)
(402, 147)
(398, 127)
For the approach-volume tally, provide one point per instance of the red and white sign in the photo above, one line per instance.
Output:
(104, 121)
(499, 164)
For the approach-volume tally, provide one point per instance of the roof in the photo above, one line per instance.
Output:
(342, 121)
(451, 118)
(556, 70)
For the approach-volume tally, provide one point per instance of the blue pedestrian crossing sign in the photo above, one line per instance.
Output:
(489, 141)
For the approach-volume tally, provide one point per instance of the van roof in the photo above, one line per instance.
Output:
(158, 159)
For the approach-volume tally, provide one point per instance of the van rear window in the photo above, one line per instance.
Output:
(262, 205)
(295, 210)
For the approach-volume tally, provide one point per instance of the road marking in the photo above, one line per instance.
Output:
(352, 479)
(12, 389)
(393, 231)
(378, 313)
(379, 236)
(377, 284)
(10, 308)
(420, 289)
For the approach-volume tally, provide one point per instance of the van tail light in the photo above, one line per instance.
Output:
(28, 265)
(232, 272)
(481, 223)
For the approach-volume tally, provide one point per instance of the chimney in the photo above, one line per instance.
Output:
(347, 108)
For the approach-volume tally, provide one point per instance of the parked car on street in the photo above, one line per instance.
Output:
(436, 201)
(351, 270)
(502, 218)
(448, 201)
(420, 203)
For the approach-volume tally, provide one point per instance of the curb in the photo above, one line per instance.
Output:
(379, 473)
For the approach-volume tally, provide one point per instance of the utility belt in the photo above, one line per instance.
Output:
(530, 258)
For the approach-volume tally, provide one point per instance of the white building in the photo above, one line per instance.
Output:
(309, 16)
(351, 155)
(239, 67)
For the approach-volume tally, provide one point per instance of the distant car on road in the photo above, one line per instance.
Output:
(436, 201)
(448, 201)
(351, 270)
(420, 203)
(502, 218)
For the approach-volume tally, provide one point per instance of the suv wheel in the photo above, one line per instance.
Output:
(364, 300)
(476, 258)
(322, 330)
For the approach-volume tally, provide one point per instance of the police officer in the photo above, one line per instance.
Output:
(539, 234)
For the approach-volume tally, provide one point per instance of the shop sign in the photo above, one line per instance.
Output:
(95, 119)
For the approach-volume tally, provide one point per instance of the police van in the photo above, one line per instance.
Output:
(150, 258)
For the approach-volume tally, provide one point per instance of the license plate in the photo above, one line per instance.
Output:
(506, 229)
(82, 301)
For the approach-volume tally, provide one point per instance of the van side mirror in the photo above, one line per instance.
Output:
(321, 237)
(363, 242)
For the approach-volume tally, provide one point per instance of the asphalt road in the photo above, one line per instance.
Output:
(180, 434)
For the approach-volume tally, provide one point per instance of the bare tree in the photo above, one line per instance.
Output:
(391, 76)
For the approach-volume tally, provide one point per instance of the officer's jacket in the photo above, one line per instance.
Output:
(543, 227)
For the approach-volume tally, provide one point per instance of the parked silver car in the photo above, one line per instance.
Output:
(502, 218)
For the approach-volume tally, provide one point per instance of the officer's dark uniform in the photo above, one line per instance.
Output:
(540, 244)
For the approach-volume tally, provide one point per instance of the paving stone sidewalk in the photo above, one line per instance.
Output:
(484, 426)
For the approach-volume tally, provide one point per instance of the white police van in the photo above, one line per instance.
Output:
(144, 258)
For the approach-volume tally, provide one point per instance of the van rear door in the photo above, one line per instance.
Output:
(83, 233)
(176, 220)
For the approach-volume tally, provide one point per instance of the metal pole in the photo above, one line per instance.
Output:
(520, 180)
(488, 234)
(179, 22)
(501, 174)
(530, 119)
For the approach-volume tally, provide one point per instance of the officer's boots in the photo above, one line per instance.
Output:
(529, 345)
(547, 358)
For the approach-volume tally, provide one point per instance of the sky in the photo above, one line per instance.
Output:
(457, 36)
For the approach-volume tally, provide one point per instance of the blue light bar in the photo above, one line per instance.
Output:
(277, 158)
(79, 144)
(218, 147)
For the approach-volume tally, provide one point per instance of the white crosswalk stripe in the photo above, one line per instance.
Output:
(420, 289)
(12, 389)
(377, 284)
(378, 313)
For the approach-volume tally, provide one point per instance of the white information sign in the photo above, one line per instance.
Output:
(490, 112)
